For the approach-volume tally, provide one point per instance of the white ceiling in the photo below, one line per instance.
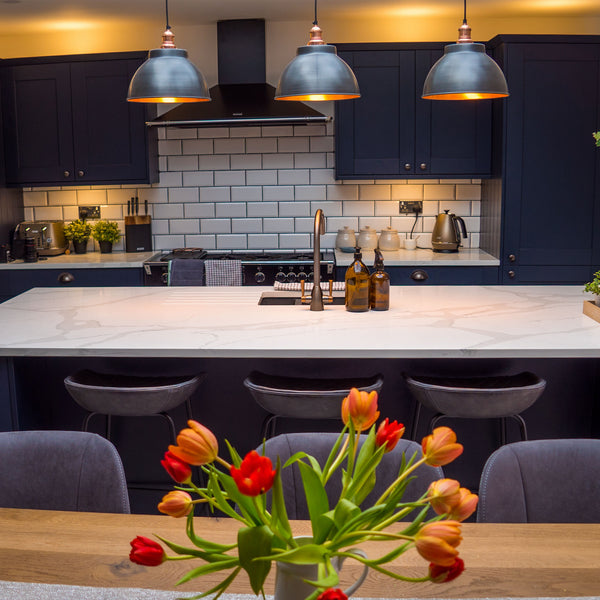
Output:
(16, 13)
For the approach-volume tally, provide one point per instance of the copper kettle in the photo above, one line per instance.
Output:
(446, 234)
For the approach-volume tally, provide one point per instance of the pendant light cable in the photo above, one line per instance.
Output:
(167, 13)
(315, 22)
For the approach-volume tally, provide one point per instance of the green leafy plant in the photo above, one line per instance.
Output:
(78, 231)
(106, 231)
(594, 285)
(238, 490)
(596, 135)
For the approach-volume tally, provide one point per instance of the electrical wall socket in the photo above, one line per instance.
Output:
(89, 212)
(411, 207)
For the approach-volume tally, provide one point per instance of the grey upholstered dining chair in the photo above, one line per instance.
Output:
(542, 481)
(319, 446)
(61, 470)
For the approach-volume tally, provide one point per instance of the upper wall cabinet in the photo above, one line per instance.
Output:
(67, 122)
(391, 132)
(546, 158)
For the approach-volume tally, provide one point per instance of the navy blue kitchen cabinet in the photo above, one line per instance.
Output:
(67, 121)
(418, 275)
(14, 281)
(391, 132)
(546, 182)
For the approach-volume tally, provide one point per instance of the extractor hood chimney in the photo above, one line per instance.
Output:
(242, 97)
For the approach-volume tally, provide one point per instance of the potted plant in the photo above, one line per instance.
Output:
(106, 233)
(78, 231)
(593, 286)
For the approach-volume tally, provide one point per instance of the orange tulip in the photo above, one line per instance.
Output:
(440, 448)
(465, 507)
(361, 407)
(176, 504)
(444, 495)
(196, 445)
(437, 542)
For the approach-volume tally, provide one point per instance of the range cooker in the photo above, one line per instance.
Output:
(258, 268)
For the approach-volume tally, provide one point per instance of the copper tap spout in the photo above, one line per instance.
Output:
(316, 297)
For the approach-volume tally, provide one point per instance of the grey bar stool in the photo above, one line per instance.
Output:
(131, 396)
(500, 397)
(299, 398)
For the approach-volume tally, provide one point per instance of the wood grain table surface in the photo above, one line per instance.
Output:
(502, 560)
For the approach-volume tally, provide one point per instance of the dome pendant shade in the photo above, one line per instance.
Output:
(167, 76)
(317, 73)
(465, 72)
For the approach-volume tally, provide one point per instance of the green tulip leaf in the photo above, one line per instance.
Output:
(316, 497)
(255, 542)
(209, 568)
(218, 589)
(279, 516)
(307, 554)
(206, 545)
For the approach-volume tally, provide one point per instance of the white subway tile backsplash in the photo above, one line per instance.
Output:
(29, 215)
(259, 187)
(262, 209)
(230, 146)
(198, 178)
(215, 225)
(215, 194)
(203, 146)
(278, 193)
(183, 195)
(225, 178)
(184, 226)
(230, 209)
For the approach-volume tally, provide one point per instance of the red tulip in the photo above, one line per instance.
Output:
(441, 574)
(389, 434)
(255, 475)
(180, 471)
(361, 408)
(333, 594)
(146, 552)
(440, 448)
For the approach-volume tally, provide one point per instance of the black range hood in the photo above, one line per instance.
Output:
(242, 97)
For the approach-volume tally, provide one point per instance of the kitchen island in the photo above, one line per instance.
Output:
(48, 333)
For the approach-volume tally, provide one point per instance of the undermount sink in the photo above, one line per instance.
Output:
(275, 299)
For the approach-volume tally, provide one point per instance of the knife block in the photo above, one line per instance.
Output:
(138, 233)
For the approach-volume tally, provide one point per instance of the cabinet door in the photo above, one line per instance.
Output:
(551, 195)
(37, 118)
(375, 133)
(109, 133)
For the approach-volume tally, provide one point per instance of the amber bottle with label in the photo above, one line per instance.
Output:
(357, 284)
(379, 294)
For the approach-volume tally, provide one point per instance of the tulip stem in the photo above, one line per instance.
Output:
(336, 462)
(223, 462)
(395, 483)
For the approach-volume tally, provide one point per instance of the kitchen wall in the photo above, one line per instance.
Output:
(258, 188)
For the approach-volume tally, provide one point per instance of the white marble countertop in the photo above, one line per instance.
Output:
(423, 322)
(89, 260)
(423, 257)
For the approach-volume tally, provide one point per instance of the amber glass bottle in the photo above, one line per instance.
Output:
(379, 294)
(357, 284)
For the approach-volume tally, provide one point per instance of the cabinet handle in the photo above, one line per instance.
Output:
(80, 173)
(512, 257)
(423, 166)
(407, 166)
(66, 278)
(419, 275)
(66, 173)
(511, 274)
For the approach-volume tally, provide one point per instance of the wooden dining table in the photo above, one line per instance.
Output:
(91, 549)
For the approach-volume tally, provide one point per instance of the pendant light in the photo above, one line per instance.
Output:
(167, 76)
(465, 72)
(317, 73)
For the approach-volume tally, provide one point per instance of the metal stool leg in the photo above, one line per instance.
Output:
(434, 421)
(522, 426)
(415, 423)
(502, 431)
(171, 426)
(268, 427)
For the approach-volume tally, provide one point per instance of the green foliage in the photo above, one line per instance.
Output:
(106, 231)
(596, 135)
(78, 231)
(594, 285)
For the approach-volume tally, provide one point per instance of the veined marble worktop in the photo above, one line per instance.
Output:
(423, 322)
(89, 260)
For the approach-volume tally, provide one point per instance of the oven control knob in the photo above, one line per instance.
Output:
(311, 276)
(291, 277)
(281, 277)
(259, 277)
(302, 275)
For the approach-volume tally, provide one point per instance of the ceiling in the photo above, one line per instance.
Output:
(25, 14)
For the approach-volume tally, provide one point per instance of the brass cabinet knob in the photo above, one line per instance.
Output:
(80, 173)
(66, 278)
(511, 274)
(419, 275)
(423, 166)
(407, 166)
(512, 257)
(66, 173)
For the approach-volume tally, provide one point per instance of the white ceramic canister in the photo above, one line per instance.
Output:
(346, 238)
(389, 240)
(367, 238)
